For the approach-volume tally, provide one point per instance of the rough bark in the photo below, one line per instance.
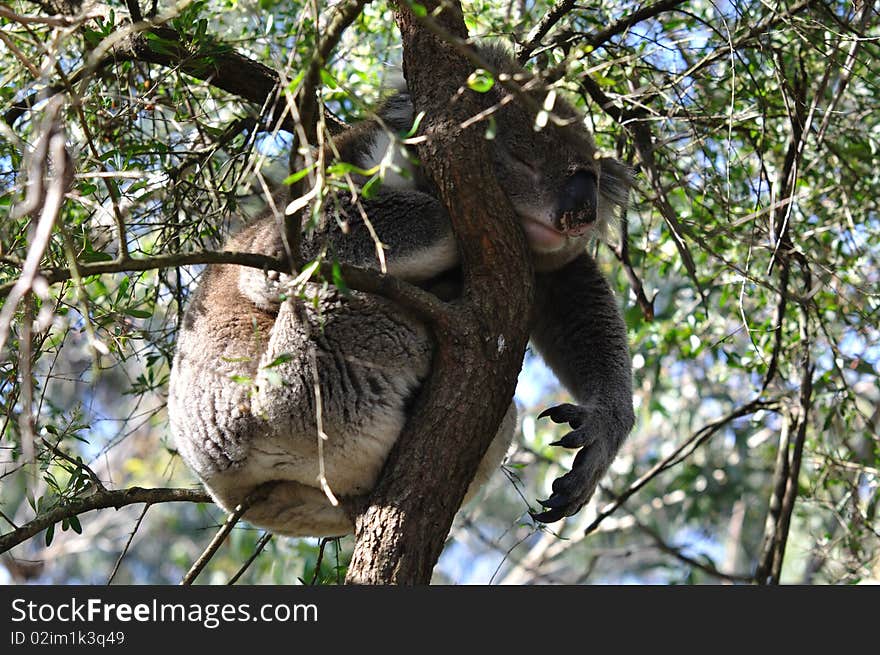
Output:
(402, 527)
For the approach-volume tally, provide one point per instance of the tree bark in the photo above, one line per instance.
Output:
(401, 528)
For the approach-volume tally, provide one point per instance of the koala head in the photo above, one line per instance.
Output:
(563, 191)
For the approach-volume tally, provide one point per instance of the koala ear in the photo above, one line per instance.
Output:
(615, 180)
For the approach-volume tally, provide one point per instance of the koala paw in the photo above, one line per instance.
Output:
(598, 435)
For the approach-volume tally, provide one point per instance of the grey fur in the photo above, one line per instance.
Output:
(242, 401)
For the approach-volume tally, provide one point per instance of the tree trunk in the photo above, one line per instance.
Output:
(401, 530)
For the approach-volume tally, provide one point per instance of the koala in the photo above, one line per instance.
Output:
(259, 371)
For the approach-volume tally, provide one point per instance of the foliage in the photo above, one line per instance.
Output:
(747, 267)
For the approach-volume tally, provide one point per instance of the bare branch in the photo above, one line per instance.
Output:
(52, 21)
(217, 64)
(134, 530)
(622, 253)
(99, 500)
(643, 140)
(788, 464)
(533, 40)
(54, 276)
(676, 552)
(261, 544)
(678, 455)
(255, 496)
(598, 38)
(43, 199)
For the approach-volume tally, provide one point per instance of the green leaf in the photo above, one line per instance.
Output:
(415, 126)
(201, 29)
(75, 524)
(418, 10)
(369, 189)
(307, 272)
(123, 288)
(338, 281)
(92, 256)
(278, 361)
(162, 46)
(481, 81)
(92, 38)
(295, 82)
(328, 79)
(341, 168)
(50, 535)
(296, 177)
(137, 313)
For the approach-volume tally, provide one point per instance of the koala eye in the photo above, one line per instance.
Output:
(513, 160)
(578, 196)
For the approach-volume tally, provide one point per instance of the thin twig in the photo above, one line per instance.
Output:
(46, 199)
(128, 543)
(596, 39)
(50, 21)
(261, 544)
(621, 251)
(77, 463)
(255, 496)
(320, 559)
(22, 58)
(533, 40)
(643, 139)
(665, 547)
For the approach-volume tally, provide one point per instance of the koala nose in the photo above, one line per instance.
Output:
(577, 202)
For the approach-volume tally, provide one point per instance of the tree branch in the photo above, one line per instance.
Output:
(533, 40)
(678, 455)
(622, 253)
(99, 500)
(788, 464)
(261, 544)
(677, 553)
(215, 63)
(596, 39)
(643, 140)
(255, 496)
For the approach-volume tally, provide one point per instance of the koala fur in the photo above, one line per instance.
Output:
(243, 404)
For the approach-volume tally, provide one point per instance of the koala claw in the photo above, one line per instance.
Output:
(555, 501)
(550, 516)
(576, 439)
(565, 413)
(574, 489)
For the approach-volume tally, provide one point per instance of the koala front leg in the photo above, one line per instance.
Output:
(579, 332)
